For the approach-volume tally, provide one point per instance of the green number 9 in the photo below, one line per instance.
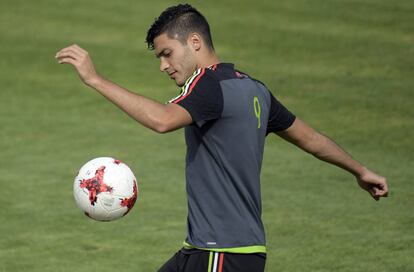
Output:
(256, 106)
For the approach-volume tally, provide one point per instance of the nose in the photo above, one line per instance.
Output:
(164, 65)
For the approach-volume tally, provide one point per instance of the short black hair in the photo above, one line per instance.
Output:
(178, 22)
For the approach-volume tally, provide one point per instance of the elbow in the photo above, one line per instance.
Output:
(168, 121)
(162, 126)
(161, 129)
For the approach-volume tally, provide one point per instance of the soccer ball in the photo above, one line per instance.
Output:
(105, 189)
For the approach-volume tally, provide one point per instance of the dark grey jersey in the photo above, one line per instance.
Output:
(232, 115)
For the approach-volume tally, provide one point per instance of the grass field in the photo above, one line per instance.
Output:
(345, 67)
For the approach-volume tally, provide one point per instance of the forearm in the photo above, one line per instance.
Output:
(154, 115)
(321, 147)
(147, 112)
(327, 150)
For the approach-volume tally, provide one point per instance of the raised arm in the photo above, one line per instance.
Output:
(323, 148)
(152, 114)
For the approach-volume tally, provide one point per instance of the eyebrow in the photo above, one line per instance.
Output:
(161, 53)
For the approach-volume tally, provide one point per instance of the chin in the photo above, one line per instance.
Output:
(179, 83)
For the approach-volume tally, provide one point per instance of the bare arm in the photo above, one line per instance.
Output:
(327, 150)
(154, 115)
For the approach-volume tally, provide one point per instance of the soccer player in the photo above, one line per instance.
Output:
(226, 115)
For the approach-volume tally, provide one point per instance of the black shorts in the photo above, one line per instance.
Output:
(196, 260)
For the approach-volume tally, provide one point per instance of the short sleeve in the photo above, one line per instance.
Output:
(280, 118)
(201, 96)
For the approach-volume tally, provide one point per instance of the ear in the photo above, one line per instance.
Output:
(195, 41)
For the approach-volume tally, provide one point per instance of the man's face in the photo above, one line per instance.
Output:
(176, 59)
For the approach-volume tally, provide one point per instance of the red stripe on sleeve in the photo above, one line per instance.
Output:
(221, 262)
(192, 86)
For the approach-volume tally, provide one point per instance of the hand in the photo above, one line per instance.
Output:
(375, 185)
(81, 60)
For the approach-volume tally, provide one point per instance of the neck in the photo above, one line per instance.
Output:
(207, 60)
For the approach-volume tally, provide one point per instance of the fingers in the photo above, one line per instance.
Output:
(381, 193)
(373, 192)
(385, 187)
(67, 60)
(378, 191)
(73, 54)
(67, 57)
(80, 49)
(80, 59)
(381, 189)
(67, 53)
(375, 184)
(74, 51)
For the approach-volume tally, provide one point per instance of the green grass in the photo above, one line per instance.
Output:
(345, 67)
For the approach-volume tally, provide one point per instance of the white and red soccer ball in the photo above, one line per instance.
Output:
(105, 189)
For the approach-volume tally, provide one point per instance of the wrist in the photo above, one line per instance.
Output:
(361, 172)
(93, 81)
